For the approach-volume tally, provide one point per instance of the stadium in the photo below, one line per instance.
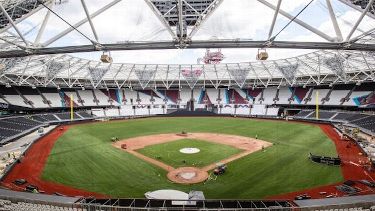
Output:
(187, 105)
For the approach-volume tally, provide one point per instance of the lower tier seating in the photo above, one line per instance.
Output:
(361, 120)
(15, 126)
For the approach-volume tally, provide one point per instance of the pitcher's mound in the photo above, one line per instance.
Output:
(187, 175)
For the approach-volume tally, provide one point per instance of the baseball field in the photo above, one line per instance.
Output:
(84, 157)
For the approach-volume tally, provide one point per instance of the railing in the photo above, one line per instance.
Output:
(230, 205)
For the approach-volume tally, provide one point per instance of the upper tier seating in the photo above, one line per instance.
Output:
(284, 95)
(269, 94)
(11, 95)
(87, 97)
(320, 93)
(103, 99)
(338, 95)
(300, 94)
(32, 95)
(185, 95)
(171, 96)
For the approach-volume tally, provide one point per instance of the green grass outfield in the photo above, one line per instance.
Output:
(84, 158)
(169, 153)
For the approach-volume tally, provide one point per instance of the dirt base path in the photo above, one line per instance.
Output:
(248, 145)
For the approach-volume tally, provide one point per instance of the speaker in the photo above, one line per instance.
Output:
(106, 59)
(262, 56)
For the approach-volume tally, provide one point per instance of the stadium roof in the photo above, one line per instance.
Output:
(44, 30)
(320, 67)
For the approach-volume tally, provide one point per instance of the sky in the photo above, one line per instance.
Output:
(133, 20)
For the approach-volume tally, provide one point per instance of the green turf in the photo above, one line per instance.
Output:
(169, 153)
(84, 158)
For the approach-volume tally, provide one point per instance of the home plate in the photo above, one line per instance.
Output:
(189, 150)
(188, 175)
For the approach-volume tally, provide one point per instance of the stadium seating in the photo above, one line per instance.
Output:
(66, 116)
(11, 95)
(325, 115)
(49, 117)
(253, 95)
(272, 111)
(227, 109)
(258, 110)
(284, 95)
(269, 95)
(303, 114)
(23, 206)
(185, 95)
(15, 126)
(338, 95)
(103, 99)
(32, 96)
(87, 97)
(171, 96)
(84, 114)
(213, 95)
(299, 94)
(112, 112)
(242, 110)
(361, 120)
(367, 122)
(321, 93)
(52, 96)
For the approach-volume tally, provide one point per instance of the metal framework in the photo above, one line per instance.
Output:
(344, 58)
(320, 67)
(182, 19)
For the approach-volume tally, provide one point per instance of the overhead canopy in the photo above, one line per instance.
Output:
(53, 27)
(41, 32)
(320, 67)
